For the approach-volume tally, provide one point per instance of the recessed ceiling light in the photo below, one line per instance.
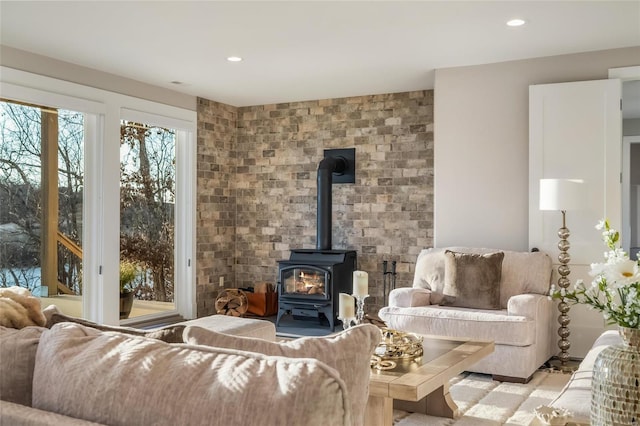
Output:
(176, 82)
(234, 59)
(516, 22)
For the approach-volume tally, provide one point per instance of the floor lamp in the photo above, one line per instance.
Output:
(562, 195)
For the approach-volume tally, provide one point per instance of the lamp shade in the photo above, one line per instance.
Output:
(561, 194)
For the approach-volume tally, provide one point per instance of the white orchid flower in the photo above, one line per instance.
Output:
(598, 269)
(622, 274)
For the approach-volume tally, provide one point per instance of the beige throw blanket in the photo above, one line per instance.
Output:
(18, 308)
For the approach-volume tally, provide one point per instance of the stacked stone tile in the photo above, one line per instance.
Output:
(216, 202)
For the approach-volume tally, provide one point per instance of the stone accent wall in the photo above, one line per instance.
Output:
(216, 201)
(386, 215)
(257, 186)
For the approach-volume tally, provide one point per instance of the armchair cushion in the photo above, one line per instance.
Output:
(407, 297)
(472, 280)
(454, 322)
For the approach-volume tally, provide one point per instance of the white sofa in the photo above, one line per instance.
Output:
(576, 395)
(522, 323)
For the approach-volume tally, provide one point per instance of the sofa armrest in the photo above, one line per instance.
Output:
(529, 305)
(539, 309)
(407, 297)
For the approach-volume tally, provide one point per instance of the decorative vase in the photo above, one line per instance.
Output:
(126, 303)
(615, 388)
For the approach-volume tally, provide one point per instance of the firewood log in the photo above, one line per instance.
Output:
(232, 302)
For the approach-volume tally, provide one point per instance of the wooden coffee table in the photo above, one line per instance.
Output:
(422, 385)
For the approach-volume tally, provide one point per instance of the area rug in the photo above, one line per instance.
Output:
(485, 402)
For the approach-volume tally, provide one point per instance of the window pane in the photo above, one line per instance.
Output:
(71, 191)
(147, 212)
(41, 197)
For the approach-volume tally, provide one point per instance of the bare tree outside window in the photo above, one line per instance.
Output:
(21, 189)
(147, 207)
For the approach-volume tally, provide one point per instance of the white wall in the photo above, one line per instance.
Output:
(481, 128)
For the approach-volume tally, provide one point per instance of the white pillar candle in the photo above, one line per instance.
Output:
(346, 306)
(360, 283)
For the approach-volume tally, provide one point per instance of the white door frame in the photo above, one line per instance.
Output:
(626, 188)
(626, 74)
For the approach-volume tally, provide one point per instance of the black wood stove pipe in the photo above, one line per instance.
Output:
(326, 168)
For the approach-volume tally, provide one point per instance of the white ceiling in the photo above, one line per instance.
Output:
(302, 50)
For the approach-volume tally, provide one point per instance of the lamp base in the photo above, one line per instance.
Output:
(569, 367)
(563, 307)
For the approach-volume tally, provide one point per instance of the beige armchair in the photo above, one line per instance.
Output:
(484, 294)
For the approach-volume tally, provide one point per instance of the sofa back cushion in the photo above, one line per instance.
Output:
(429, 273)
(119, 379)
(17, 360)
(169, 334)
(525, 272)
(522, 272)
(349, 352)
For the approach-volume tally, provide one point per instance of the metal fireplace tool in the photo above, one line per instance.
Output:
(388, 280)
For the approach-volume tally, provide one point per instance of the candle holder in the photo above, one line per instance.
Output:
(360, 308)
(347, 322)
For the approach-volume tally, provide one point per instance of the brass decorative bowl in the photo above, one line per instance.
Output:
(396, 346)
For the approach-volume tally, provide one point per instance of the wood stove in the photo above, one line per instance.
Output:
(311, 279)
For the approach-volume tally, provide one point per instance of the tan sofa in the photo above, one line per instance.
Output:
(74, 374)
(521, 320)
